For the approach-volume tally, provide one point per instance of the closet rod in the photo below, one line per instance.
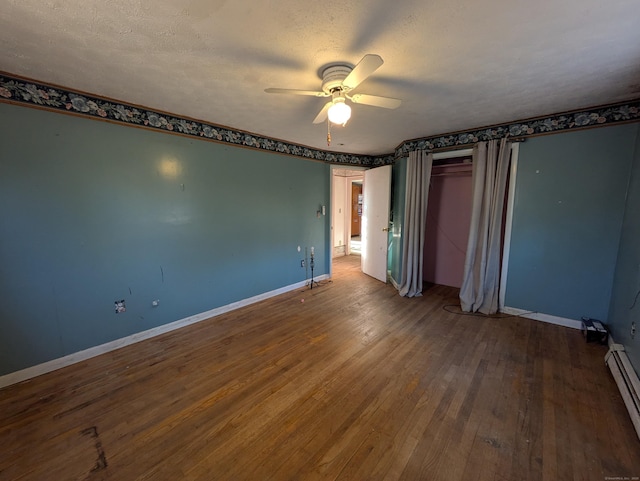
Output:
(452, 174)
(450, 154)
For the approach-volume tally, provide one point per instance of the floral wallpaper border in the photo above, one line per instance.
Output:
(22, 91)
(597, 116)
(16, 90)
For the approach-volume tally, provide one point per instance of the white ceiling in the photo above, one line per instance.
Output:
(456, 64)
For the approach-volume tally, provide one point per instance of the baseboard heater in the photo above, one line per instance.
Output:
(627, 381)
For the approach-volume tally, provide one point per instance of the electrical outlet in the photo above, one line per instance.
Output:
(633, 329)
(302, 263)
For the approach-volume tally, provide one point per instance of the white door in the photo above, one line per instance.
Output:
(375, 221)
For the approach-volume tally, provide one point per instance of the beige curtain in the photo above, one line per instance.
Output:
(417, 194)
(481, 279)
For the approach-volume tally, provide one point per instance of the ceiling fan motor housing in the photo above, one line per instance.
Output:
(333, 76)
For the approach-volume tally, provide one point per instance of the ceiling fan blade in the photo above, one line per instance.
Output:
(312, 93)
(375, 101)
(322, 115)
(369, 64)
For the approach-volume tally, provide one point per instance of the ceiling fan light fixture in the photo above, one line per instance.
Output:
(339, 113)
(338, 81)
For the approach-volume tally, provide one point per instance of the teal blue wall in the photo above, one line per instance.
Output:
(624, 306)
(92, 212)
(568, 211)
(398, 189)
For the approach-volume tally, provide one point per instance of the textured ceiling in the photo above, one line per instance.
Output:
(456, 64)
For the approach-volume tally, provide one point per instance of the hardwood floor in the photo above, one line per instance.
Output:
(354, 383)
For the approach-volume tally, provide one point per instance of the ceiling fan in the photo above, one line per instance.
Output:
(338, 80)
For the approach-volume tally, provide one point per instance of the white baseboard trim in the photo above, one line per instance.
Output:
(54, 364)
(537, 316)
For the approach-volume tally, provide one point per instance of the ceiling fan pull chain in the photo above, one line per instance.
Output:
(328, 133)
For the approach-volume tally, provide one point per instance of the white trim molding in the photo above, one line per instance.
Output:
(54, 364)
(506, 248)
(452, 154)
(538, 316)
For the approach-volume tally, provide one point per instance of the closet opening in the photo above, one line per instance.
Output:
(448, 218)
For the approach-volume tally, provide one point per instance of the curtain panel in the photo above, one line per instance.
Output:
(416, 197)
(481, 278)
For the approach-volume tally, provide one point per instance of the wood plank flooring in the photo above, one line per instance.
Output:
(354, 383)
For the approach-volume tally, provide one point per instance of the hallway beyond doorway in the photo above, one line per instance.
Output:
(356, 245)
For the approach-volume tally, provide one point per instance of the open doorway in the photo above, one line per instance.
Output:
(370, 212)
(346, 211)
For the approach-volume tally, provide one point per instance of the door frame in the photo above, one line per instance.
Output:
(508, 224)
(334, 168)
